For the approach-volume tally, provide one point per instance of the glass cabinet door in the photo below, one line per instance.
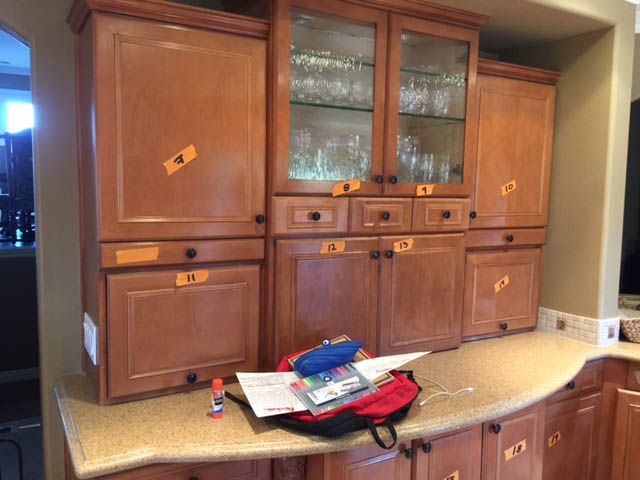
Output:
(334, 98)
(429, 79)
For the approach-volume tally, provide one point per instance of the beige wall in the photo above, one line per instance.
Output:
(42, 24)
(635, 92)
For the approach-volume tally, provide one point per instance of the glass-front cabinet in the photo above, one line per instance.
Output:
(370, 95)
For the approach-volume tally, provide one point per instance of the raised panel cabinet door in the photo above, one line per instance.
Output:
(513, 164)
(501, 291)
(421, 293)
(161, 90)
(626, 439)
(324, 295)
(455, 456)
(362, 464)
(162, 336)
(512, 447)
(570, 438)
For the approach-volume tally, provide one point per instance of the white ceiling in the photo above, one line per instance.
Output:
(14, 55)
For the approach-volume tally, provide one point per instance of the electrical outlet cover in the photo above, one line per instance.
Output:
(90, 338)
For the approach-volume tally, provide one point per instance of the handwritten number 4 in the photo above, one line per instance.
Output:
(179, 159)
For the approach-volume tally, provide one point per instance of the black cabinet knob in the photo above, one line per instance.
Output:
(426, 447)
(192, 378)
(375, 254)
(496, 427)
(504, 325)
(389, 253)
(315, 216)
(191, 253)
(408, 453)
(571, 385)
(393, 179)
(509, 238)
(386, 215)
(260, 219)
(473, 214)
(446, 214)
(379, 179)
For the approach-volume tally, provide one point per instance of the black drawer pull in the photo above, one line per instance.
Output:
(315, 216)
(393, 179)
(496, 428)
(473, 214)
(504, 326)
(446, 214)
(389, 253)
(510, 238)
(571, 385)
(426, 447)
(260, 219)
(191, 253)
(375, 254)
(379, 179)
(408, 453)
(386, 215)
(192, 378)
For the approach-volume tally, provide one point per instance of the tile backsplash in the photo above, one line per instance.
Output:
(601, 332)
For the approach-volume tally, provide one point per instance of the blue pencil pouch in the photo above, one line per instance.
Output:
(326, 357)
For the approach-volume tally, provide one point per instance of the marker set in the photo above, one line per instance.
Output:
(328, 390)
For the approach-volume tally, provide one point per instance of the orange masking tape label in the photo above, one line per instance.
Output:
(403, 245)
(134, 255)
(507, 188)
(500, 284)
(333, 247)
(345, 187)
(191, 278)
(453, 476)
(180, 159)
(554, 439)
(424, 190)
(516, 450)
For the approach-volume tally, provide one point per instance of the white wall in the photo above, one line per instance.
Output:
(7, 95)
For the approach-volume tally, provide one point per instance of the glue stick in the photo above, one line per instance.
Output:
(217, 398)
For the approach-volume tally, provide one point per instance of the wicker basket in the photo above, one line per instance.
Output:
(630, 324)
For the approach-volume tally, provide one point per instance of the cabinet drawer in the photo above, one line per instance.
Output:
(439, 215)
(161, 336)
(588, 379)
(633, 377)
(505, 238)
(501, 291)
(299, 215)
(380, 215)
(133, 254)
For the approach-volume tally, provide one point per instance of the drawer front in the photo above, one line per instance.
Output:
(380, 215)
(242, 470)
(505, 238)
(588, 379)
(162, 336)
(134, 254)
(300, 216)
(633, 377)
(440, 215)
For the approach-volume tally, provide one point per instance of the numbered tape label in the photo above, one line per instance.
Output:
(134, 255)
(453, 476)
(333, 247)
(424, 190)
(516, 450)
(180, 159)
(554, 439)
(191, 278)
(403, 245)
(345, 187)
(507, 188)
(500, 284)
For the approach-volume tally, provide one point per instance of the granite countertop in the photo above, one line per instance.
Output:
(508, 374)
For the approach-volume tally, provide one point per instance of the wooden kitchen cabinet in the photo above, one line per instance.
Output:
(421, 294)
(161, 336)
(515, 108)
(324, 295)
(571, 438)
(513, 446)
(453, 456)
(626, 437)
(150, 106)
(501, 291)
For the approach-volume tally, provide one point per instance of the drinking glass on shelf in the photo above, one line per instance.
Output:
(444, 168)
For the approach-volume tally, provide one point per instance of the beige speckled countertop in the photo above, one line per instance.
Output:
(508, 374)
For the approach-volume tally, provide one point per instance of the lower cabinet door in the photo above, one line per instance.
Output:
(501, 291)
(570, 438)
(455, 456)
(164, 336)
(626, 439)
(324, 295)
(421, 293)
(512, 448)
(362, 464)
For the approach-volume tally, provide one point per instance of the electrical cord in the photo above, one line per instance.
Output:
(444, 391)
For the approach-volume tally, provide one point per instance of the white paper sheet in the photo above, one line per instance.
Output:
(374, 367)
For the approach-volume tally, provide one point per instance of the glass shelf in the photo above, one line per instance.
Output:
(433, 117)
(327, 105)
(326, 60)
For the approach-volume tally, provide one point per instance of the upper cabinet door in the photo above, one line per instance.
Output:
(329, 96)
(166, 94)
(431, 74)
(515, 134)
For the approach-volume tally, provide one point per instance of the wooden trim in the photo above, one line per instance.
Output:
(517, 72)
(165, 11)
(431, 11)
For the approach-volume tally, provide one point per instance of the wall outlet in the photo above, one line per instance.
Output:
(90, 338)
(611, 332)
(561, 324)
